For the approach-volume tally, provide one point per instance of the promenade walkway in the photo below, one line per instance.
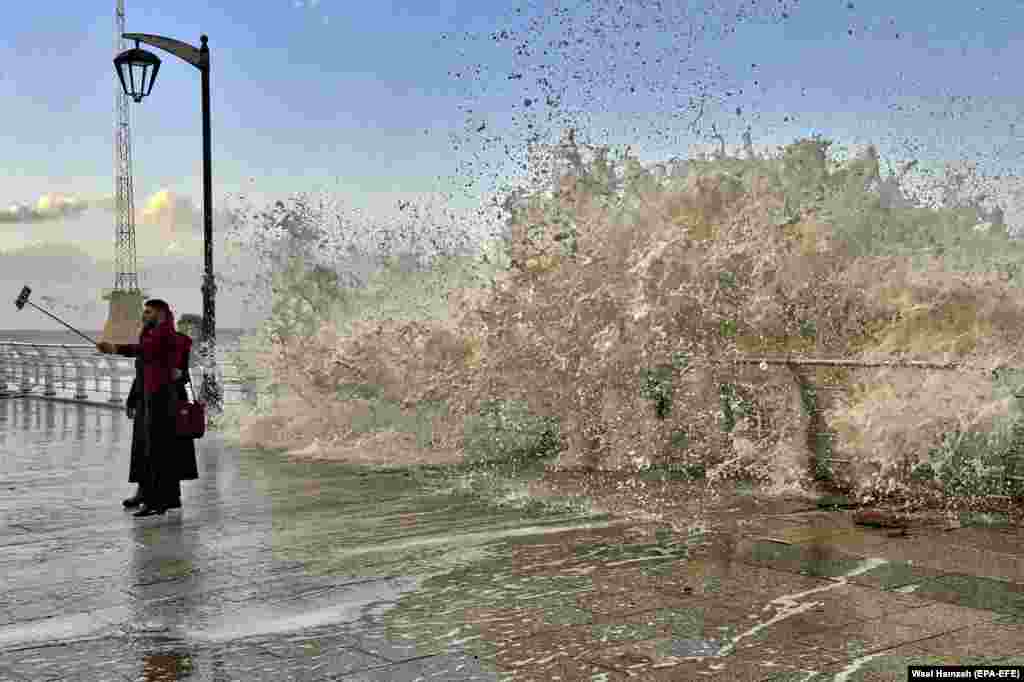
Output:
(277, 570)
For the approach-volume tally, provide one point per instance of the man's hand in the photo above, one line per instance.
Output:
(105, 347)
(177, 373)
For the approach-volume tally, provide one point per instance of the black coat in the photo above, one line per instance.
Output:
(181, 457)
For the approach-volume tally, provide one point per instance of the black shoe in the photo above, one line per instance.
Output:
(150, 511)
(133, 501)
(174, 504)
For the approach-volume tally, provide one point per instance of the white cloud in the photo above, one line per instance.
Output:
(173, 213)
(50, 207)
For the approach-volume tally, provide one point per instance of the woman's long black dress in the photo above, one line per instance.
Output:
(180, 460)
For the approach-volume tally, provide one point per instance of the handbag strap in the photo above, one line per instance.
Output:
(190, 388)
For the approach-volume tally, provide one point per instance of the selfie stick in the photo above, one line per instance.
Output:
(23, 299)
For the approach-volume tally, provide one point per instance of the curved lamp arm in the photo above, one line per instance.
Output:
(199, 58)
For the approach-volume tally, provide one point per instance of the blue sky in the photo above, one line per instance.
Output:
(297, 101)
(357, 98)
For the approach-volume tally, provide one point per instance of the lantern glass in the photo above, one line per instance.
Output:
(137, 73)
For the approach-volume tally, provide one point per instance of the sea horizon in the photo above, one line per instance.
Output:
(225, 335)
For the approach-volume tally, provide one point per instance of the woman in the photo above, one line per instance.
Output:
(185, 459)
(159, 351)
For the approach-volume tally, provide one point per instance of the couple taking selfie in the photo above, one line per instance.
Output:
(160, 458)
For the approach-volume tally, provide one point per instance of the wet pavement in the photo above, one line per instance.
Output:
(282, 570)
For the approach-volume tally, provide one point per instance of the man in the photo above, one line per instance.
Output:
(159, 351)
(184, 460)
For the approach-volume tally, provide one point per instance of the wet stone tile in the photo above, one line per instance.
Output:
(741, 667)
(158, 590)
(501, 624)
(893, 575)
(236, 663)
(91, 659)
(758, 630)
(946, 616)
(938, 555)
(325, 656)
(776, 646)
(863, 638)
(768, 583)
(275, 589)
(544, 559)
(331, 666)
(626, 601)
(641, 656)
(177, 614)
(464, 668)
(822, 561)
(857, 602)
(977, 593)
(713, 621)
(1006, 540)
(375, 640)
(58, 600)
(703, 656)
(989, 640)
(9, 675)
(563, 669)
(548, 648)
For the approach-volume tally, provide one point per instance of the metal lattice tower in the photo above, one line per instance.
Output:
(126, 278)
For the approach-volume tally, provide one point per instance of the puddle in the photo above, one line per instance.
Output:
(695, 648)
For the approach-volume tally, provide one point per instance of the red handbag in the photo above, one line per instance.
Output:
(190, 418)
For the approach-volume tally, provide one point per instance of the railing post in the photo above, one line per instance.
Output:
(115, 382)
(26, 384)
(79, 366)
(63, 380)
(46, 364)
(95, 364)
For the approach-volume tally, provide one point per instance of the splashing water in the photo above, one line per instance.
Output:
(598, 317)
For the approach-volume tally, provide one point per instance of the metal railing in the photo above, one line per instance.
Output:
(61, 371)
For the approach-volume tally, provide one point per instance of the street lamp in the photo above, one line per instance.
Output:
(133, 69)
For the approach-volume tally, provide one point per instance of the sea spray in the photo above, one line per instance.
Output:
(597, 271)
(571, 339)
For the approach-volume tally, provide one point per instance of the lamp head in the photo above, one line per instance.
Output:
(134, 70)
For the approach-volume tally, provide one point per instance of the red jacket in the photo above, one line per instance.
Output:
(184, 345)
(160, 354)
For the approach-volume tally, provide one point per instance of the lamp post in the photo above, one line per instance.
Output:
(133, 68)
